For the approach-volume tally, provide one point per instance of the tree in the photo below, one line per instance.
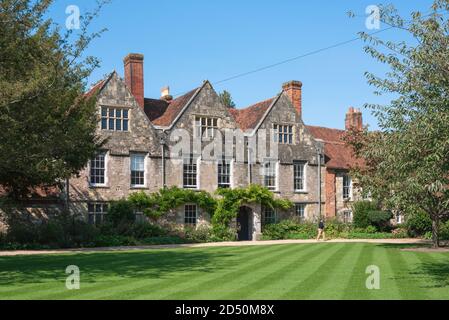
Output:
(226, 99)
(47, 123)
(407, 160)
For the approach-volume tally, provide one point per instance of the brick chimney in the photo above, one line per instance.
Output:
(134, 76)
(294, 91)
(354, 119)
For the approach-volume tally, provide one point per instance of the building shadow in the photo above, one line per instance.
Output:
(94, 267)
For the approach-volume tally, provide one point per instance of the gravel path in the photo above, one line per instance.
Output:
(205, 245)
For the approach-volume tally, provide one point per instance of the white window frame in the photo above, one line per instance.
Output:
(304, 176)
(345, 214)
(350, 189)
(190, 205)
(224, 185)
(274, 170)
(144, 170)
(106, 162)
(114, 118)
(192, 160)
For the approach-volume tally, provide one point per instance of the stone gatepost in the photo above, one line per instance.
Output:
(256, 222)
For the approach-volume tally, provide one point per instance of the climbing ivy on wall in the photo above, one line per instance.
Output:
(223, 207)
(160, 203)
(231, 200)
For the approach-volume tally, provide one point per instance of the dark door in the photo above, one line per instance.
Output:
(243, 224)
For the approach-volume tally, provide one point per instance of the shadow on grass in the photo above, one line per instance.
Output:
(437, 271)
(428, 267)
(97, 267)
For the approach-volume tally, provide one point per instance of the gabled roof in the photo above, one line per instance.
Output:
(251, 116)
(163, 113)
(97, 87)
(339, 154)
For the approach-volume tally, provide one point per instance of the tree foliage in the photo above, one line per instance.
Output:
(407, 160)
(47, 124)
(226, 99)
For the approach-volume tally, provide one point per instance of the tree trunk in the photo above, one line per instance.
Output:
(435, 231)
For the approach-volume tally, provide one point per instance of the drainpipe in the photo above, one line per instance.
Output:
(319, 182)
(250, 178)
(162, 142)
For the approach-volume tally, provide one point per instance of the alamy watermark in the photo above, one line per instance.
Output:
(72, 282)
(372, 22)
(373, 280)
(72, 22)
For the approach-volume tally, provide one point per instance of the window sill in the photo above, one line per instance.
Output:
(138, 188)
(191, 188)
(98, 186)
(301, 192)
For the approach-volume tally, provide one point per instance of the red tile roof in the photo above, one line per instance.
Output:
(155, 108)
(339, 155)
(165, 115)
(95, 89)
(250, 117)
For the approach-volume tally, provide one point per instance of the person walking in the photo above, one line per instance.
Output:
(321, 230)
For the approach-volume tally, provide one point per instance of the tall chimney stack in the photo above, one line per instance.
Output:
(354, 119)
(134, 76)
(294, 91)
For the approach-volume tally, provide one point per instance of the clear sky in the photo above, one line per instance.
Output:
(188, 41)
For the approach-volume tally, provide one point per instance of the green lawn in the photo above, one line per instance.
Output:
(307, 271)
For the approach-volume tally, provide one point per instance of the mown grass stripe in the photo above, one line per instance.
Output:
(355, 287)
(134, 289)
(103, 290)
(334, 287)
(433, 273)
(323, 271)
(407, 286)
(60, 276)
(269, 280)
(242, 271)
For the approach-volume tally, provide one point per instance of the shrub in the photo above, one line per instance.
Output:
(361, 211)
(289, 229)
(380, 219)
(444, 231)
(200, 234)
(223, 233)
(114, 241)
(366, 213)
(121, 212)
(163, 240)
(418, 224)
(144, 230)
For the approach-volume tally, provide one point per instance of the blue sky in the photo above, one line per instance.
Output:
(188, 41)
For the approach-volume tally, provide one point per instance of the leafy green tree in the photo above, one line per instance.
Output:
(47, 123)
(407, 160)
(226, 99)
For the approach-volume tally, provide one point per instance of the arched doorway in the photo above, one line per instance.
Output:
(245, 224)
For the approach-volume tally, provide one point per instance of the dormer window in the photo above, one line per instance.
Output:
(283, 134)
(206, 127)
(114, 119)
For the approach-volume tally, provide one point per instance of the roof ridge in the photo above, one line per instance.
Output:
(257, 103)
(321, 127)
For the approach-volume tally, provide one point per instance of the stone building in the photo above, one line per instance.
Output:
(270, 146)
